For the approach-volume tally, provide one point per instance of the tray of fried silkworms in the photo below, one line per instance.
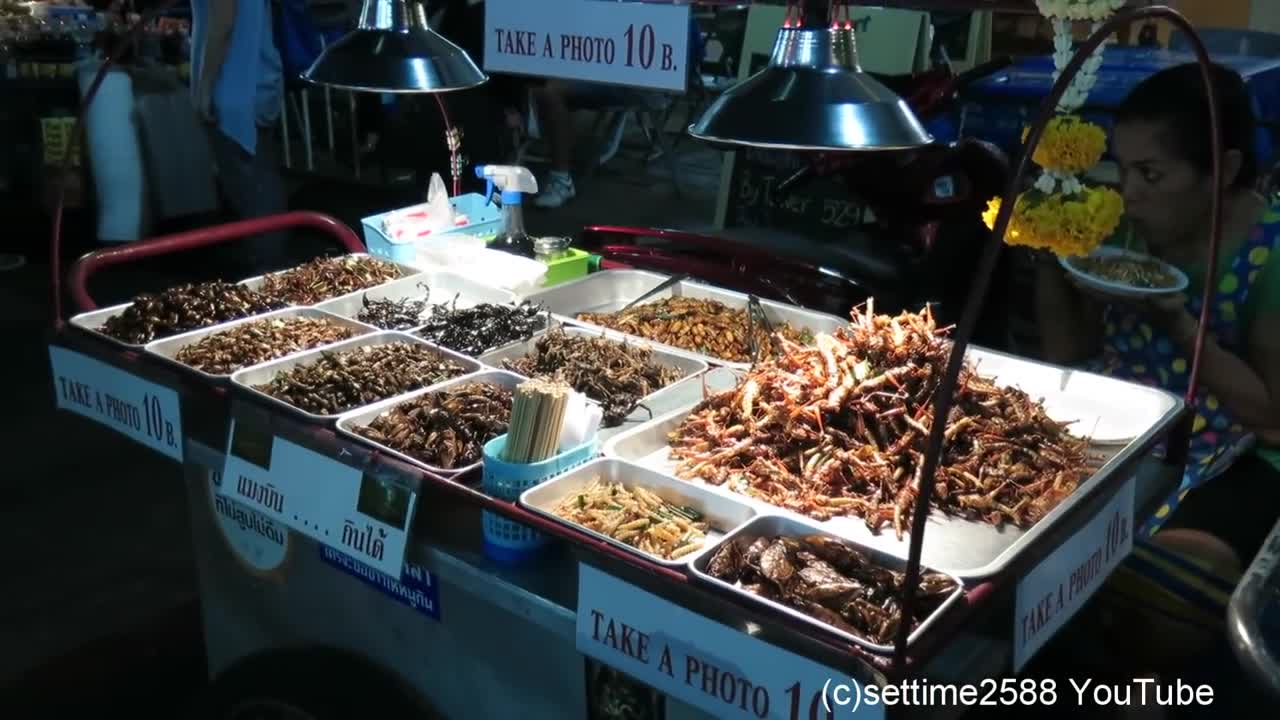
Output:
(329, 277)
(621, 373)
(641, 511)
(835, 585)
(322, 384)
(836, 434)
(182, 308)
(215, 353)
(442, 429)
(721, 326)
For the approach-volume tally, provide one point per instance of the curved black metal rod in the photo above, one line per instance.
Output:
(943, 398)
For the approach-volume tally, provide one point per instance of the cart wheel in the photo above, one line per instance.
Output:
(308, 685)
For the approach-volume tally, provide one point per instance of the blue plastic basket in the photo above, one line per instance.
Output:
(485, 220)
(511, 542)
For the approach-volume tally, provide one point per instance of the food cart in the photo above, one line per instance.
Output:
(337, 575)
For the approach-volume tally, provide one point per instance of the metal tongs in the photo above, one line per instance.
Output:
(673, 280)
(755, 313)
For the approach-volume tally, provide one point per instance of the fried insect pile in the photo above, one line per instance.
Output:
(615, 374)
(341, 381)
(223, 353)
(390, 314)
(707, 327)
(446, 429)
(840, 429)
(475, 330)
(827, 580)
(186, 307)
(325, 278)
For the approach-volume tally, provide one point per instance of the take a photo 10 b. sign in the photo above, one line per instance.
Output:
(640, 44)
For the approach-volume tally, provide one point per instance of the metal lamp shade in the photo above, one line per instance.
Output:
(812, 96)
(394, 51)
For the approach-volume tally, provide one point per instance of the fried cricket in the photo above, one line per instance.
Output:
(840, 429)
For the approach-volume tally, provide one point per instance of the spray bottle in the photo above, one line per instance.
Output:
(513, 182)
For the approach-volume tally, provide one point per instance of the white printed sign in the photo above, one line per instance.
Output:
(699, 661)
(622, 43)
(139, 409)
(331, 502)
(261, 543)
(1049, 595)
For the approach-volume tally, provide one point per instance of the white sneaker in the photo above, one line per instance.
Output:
(559, 190)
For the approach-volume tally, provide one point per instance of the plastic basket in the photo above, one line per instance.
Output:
(511, 542)
(484, 221)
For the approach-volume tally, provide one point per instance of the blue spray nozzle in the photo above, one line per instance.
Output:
(512, 182)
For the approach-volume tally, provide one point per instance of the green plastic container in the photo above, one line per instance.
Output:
(575, 264)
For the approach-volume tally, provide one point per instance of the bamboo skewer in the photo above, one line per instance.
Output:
(537, 418)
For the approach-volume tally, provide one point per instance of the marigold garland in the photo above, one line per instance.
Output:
(1066, 225)
(1069, 145)
(1062, 214)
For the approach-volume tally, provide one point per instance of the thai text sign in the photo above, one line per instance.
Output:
(331, 502)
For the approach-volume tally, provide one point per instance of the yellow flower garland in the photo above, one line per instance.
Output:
(1065, 225)
(1069, 145)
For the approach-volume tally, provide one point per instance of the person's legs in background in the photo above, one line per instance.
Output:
(556, 123)
(252, 187)
(555, 102)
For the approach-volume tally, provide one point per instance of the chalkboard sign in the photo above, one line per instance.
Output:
(819, 207)
(889, 41)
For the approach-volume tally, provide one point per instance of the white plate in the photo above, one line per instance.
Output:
(1120, 289)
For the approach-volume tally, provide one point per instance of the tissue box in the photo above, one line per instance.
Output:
(484, 220)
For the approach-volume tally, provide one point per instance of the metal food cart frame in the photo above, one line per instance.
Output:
(968, 644)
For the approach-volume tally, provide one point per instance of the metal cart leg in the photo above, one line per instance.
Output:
(1257, 593)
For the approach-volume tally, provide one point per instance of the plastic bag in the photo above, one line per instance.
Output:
(439, 211)
(419, 221)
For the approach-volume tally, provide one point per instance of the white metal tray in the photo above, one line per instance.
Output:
(168, 348)
(721, 513)
(965, 548)
(437, 287)
(348, 422)
(250, 377)
(689, 366)
(406, 271)
(779, 525)
(610, 290)
(93, 320)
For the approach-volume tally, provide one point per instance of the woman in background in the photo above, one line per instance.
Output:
(1164, 611)
(1165, 171)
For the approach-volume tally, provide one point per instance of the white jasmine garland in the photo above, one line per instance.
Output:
(1051, 181)
(1062, 14)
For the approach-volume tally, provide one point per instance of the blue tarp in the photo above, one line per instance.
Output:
(997, 108)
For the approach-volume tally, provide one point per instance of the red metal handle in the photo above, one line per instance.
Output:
(92, 262)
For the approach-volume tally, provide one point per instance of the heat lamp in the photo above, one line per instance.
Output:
(813, 95)
(393, 50)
